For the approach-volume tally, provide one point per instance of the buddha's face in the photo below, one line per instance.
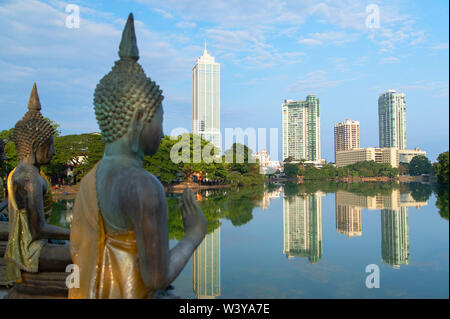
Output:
(152, 133)
(45, 152)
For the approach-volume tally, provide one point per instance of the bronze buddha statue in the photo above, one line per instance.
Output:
(28, 249)
(119, 235)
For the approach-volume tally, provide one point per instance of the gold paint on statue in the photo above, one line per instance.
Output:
(109, 269)
(22, 252)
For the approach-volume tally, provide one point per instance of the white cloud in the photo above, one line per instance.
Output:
(163, 13)
(186, 25)
(388, 60)
(68, 63)
(313, 82)
(333, 37)
(440, 46)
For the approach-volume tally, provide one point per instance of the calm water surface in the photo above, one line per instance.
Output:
(315, 241)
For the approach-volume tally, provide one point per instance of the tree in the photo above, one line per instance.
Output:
(403, 168)
(420, 165)
(291, 170)
(441, 168)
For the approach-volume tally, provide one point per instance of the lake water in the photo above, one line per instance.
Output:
(315, 241)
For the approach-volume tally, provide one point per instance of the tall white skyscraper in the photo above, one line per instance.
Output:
(392, 119)
(206, 99)
(301, 129)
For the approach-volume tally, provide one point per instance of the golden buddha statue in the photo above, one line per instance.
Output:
(119, 235)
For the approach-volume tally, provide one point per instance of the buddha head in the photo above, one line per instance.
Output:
(33, 135)
(2, 152)
(127, 103)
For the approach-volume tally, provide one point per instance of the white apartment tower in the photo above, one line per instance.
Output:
(206, 99)
(301, 129)
(392, 119)
(346, 136)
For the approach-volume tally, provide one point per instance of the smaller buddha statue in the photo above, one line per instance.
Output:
(28, 249)
(120, 237)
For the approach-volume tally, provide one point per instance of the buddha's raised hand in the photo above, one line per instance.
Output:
(193, 219)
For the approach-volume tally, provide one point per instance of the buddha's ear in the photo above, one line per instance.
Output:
(34, 148)
(137, 124)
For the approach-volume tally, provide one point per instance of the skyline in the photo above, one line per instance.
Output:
(262, 46)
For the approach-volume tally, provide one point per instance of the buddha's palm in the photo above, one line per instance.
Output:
(193, 219)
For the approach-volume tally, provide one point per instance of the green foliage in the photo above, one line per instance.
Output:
(236, 206)
(83, 151)
(291, 170)
(160, 164)
(420, 165)
(403, 168)
(441, 168)
(240, 158)
(241, 170)
(442, 194)
(330, 172)
(420, 192)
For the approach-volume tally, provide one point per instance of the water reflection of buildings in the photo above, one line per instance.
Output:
(268, 196)
(394, 221)
(206, 267)
(395, 236)
(302, 226)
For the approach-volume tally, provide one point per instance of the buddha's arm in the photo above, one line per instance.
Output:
(158, 266)
(147, 210)
(34, 205)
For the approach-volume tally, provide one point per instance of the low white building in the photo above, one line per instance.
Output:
(405, 156)
(378, 155)
(266, 165)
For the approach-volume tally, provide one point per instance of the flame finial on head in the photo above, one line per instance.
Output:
(33, 103)
(128, 45)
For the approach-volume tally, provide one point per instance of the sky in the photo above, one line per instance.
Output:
(269, 51)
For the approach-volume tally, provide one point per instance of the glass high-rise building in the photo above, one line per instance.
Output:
(392, 119)
(301, 129)
(206, 99)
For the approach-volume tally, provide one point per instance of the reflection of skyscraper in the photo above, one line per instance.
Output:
(395, 236)
(206, 267)
(302, 226)
(348, 220)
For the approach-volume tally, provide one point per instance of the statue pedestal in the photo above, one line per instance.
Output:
(47, 285)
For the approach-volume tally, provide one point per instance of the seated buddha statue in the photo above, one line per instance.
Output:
(28, 248)
(119, 234)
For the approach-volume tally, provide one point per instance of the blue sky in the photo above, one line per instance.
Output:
(269, 50)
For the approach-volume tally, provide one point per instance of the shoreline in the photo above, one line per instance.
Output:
(70, 191)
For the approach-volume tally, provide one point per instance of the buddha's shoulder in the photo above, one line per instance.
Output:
(139, 178)
(25, 173)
